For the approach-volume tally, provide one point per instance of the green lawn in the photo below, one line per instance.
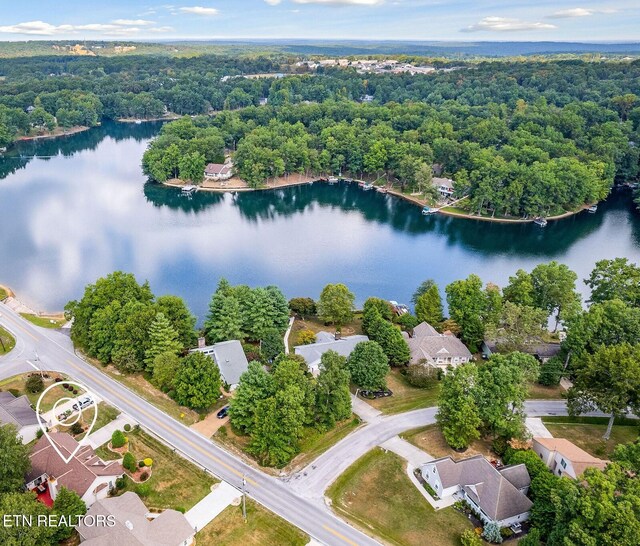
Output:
(106, 414)
(3, 294)
(17, 386)
(405, 396)
(6, 341)
(316, 325)
(376, 494)
(261, 528)
(588, 434)
(540, 392)
(45, 322)
(174, 482)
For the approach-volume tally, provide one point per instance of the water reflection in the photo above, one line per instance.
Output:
(82, 209)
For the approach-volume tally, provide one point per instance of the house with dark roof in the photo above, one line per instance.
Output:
(564, 458)
(134, 525)
(325, 341)
(230, 359)
(85, 473)
(429, 347)
(19, 413)
(540, 350)
(498, 495)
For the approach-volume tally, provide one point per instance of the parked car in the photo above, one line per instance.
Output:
(83, 403)
(223, 412)
(375, 394)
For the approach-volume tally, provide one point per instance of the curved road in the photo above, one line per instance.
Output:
(299, 498)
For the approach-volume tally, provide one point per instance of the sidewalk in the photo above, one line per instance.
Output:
(215, 502)
(103, 435)
(407, 451)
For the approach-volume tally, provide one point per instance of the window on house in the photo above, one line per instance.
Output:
(563, 463)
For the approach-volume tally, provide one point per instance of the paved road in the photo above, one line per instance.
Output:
(55, 353)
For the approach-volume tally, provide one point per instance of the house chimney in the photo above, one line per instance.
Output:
(201, 342)
(53, 487)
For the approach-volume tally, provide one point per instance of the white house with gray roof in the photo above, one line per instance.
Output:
(497, 495)
(230, 359)
(325, 341)
(428, 346)
(19, 413)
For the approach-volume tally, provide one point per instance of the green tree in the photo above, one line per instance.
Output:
(609, 381)
(255, 385)
(197, 383)
(615, 279)
(551, 372)
(68, 504)
(118, 439)
(468, 307)
(532, 538)
(163, 339)
(305, 307)
(368, 366)
(14, 457)
(628, 456)
(373, 308)
(336, 305)
(470, 538)
(429, 305)
(26, 505)
(517, 326)
(390, 339)
(175, 309)
(272, 344)
(165, 369)
(520, 289)
(191, 167)
(554, 290)
(333, 399)
(224, 321)
(535, 465)
(34, 383)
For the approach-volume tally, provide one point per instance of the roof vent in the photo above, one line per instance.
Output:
(129, 525)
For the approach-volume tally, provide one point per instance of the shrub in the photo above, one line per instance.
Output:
(144, 476)
(76, 428)
(35, 384)
(470, 538)
(141, 464)
(421, 376)
(148, 461)
(15, 392)
(65, 385)
(506, 532)
(491, 533)
(500, 445)
(127, 427)
(129, 462)
(532, 538)
(143, 489)
(305, 337)
(551, 372)
(118, 439)
(120, 483)
(222, 431)
(180, 509)
(75, 391)
(57, 380)
(406, 321)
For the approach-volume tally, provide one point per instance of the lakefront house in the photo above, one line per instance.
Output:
(430, 347)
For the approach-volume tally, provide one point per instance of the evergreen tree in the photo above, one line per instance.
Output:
(165, 369)
(163, 339)
(224, 321)
(255, 385)
(429, 306)
(14, 456)
(197, 383)
(390, 339)
(272, 344)
(333, 398)
(375, 307)
(69, 505)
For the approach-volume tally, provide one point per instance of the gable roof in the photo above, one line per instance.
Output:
(517, 474)
(428, 344)
(79, 473)
(579, 458)
(132, 527)
(496, 495)
(229, 357)
(313, 352)
(16, 411)
(217, 168)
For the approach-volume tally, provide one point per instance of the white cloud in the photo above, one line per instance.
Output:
(273, 2)
(506, 24)
(578, 12)
(199, 10)
(119, 27)
(342, 2)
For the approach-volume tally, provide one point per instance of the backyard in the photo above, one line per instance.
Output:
(376, 494)
(174, 482)
(316, 325)
(431, 440)
(587, 432)
(261, 527)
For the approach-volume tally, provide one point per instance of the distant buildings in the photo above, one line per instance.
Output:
(85, 473)
(19, 413)
(325, 341)
(218, 171)
(429, 347)
(538, 349)
(496, 495)
(229, 357)
(134, 525)
(564, 458)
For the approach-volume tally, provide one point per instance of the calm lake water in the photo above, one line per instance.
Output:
(82, 208)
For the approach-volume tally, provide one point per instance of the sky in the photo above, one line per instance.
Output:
(448, 20)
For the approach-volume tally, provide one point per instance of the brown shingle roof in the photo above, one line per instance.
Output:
(428, 344)
(79, 473)
(217, 168)
(580, 459)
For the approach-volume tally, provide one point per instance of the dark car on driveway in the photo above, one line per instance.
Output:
(223, 412)
(375, 394)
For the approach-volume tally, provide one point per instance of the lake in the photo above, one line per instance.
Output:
(82, 208)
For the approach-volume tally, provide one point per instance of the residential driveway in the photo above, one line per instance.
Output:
(209, 425)
(536, 427)
(103, 435)
(363, 410)
(214, 503)
(413, 455)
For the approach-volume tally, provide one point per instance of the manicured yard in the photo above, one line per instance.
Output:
(540, 392)
(315, 325)
(405, 396)
(6, 341)
(45, 322)
(174, 482)
(17, 386)
(588, 435)
(261, 528)
(431, 440)
(376, 494)
(106, 414)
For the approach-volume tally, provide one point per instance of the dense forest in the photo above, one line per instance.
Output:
(521, 138)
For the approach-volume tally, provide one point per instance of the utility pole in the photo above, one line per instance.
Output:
(244, 498)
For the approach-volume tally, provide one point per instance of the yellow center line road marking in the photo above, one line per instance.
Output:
(18, 325)
(175, 433)
(339, 535)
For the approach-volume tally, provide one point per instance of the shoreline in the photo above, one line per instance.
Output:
(145, 120)
(299, 180)
(51, 136)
